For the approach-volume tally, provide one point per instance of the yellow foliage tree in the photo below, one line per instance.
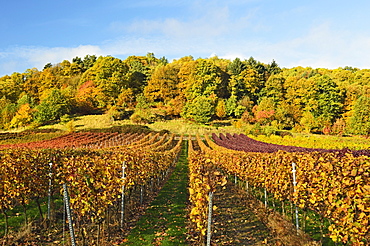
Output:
(23, 116)
(221, 109)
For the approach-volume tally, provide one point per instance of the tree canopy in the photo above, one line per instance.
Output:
(200, 89)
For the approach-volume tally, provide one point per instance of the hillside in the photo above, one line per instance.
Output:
(147, 89)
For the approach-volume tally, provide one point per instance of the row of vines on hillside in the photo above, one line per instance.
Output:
(204, 178)
(97, 180)
(333, 184)
(242, 142)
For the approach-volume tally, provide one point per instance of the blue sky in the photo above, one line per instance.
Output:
(327, 34)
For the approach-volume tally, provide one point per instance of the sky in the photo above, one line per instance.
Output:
(308, 33)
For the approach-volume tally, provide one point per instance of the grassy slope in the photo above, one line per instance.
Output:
(178, 126)
(164, 222)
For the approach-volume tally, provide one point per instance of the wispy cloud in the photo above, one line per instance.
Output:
(324, 46)
(211, 25)
(208, 28)
(18, 57)
(199, 20)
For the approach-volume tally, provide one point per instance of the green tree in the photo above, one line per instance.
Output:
(236, 67)
(274, 88)
(204, 80)
(200, 110)
(248, 83)
(88, 61)
(326, 102)
(7, 112)
(360, 120)
(52, 107)
(143, 113)
(231, 105)
(308, 121)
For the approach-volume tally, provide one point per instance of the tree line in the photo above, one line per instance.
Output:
(147, 89)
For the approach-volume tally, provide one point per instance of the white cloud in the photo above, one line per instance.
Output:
(204, 20)
(322, 45)
(21, 58)
(42, 55)
(325, 46)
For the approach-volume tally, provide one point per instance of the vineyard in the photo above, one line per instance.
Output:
(90, 187)
(333, 184)
(104, 177)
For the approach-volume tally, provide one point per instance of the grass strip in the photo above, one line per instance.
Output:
(164, 222)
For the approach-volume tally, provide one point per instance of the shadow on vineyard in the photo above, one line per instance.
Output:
(234, 221)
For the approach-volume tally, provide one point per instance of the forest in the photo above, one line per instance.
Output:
(147, 89)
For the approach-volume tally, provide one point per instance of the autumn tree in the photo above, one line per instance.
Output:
(88, 98)
(108, 74)
(221, 109)
(23, 116)
(11, 86)
(31, 84)
(126, 98)
(163, 84)
(264, 112)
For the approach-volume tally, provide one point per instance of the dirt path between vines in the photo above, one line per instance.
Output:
(243, 220)
(235, 223)
(239, 219)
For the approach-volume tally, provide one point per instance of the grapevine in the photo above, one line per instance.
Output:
(94, 177)
(334, 184)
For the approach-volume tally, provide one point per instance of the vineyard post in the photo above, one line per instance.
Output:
(295, 190)
(64, 219)
(69, 215)
(265, 192)
(123, 195)
(209, 221)
(49, 191)
(141, 194)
